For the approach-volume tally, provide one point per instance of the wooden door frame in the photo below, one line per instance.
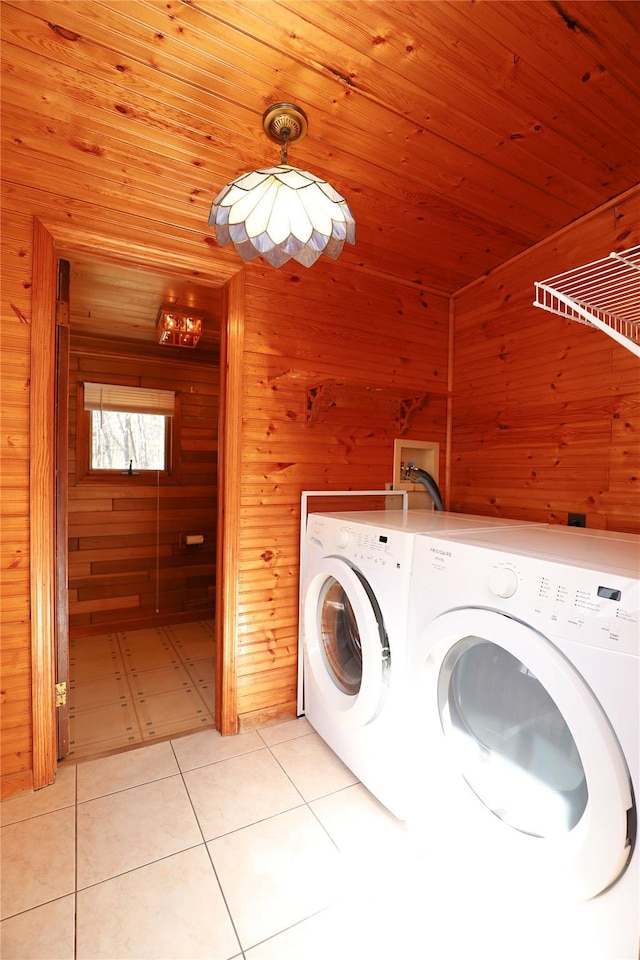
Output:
(49, 242)
(229, 476)
(61, 639)
(42, 543)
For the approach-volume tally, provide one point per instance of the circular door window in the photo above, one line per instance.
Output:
(345, 643)
(340, 637)
(514, 747)
(534, 746)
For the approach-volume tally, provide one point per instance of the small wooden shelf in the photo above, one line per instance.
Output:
(331, 393)
(324, 392)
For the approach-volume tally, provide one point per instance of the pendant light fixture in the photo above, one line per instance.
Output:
(281, 212)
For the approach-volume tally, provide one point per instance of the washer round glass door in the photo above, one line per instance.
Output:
(533, 745)
(345, 643)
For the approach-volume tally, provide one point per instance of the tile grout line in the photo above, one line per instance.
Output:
(209, 854)
(305, 801)
(182, 773)
(185, 666)
(127, 680)
(75, 865)
(268, 746)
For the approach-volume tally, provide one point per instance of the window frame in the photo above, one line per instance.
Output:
(84, 470)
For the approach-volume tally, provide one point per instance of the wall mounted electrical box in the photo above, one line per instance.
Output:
(424, 454)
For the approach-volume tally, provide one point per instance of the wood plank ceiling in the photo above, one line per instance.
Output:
(461, 133)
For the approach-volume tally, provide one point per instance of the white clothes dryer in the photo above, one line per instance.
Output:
(525, 666)
(354, 583)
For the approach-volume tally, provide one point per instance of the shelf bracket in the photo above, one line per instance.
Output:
(321, 395)
(409, 408)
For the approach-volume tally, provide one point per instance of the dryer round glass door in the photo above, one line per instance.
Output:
(513, 744)
(533, 745)
(345, 643)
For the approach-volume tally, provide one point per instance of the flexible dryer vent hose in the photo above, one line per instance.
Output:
(421, 476)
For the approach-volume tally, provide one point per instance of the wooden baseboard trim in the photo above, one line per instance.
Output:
(264, 718)
(15, 783)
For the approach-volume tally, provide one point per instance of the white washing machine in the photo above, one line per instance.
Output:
(525, 666)
(355, 576)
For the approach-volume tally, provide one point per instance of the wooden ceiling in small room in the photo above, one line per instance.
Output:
(109, 301)
(461, 133)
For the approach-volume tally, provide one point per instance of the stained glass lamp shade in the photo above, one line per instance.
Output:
(282, 213)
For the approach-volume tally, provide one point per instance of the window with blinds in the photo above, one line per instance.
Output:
(129, 429)
(118, 399)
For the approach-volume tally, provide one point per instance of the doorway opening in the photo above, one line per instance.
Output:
(140, 596)
(67, 240)
(140, 599)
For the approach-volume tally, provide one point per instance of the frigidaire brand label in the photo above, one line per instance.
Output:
(441, 553)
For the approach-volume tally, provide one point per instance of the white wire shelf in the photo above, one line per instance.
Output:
(603, 294)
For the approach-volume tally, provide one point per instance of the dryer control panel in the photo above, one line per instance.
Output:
(596, 607)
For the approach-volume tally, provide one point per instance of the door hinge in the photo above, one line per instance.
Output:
(62, 313)
(61, 694)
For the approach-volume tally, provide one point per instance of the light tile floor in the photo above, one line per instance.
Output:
(262, 846)
(128, 687)
(203, 846)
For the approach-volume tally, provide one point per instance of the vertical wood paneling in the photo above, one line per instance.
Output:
(16, 759)
(363, 334)
(546, 412)
(374, 343)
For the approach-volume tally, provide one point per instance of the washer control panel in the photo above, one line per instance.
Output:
(364, 545)
(343, 538)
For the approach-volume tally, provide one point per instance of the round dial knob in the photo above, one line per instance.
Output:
(343, 537)
(503, 583)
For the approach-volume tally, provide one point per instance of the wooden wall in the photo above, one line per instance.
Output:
(545, 421)
(334, 360)
(128, 566)
(116, 149)
(546, 416)
(15, 652)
